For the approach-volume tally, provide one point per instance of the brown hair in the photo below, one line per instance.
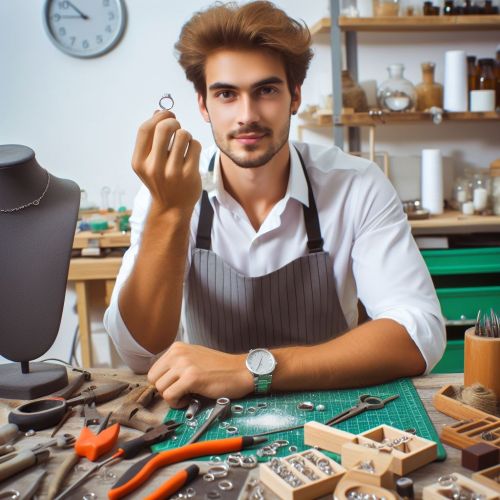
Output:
(254, 25)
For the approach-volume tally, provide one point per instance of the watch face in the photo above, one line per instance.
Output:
(84, 28)
(261, 362)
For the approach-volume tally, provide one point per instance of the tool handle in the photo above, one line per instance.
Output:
(175, 483)
(73, 386)
(8, 432)
(133, 447)
(92, 446)
(21, 461)
(61, 474)
(6, 449)
(132, 479)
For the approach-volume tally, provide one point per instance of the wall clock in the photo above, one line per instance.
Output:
(84, 28)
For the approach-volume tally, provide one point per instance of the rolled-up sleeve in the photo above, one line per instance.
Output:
(391, 277)
(133, 354)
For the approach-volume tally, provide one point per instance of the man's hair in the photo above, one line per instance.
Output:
(255, 25)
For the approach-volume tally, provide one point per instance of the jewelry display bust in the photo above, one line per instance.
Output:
(38, 215)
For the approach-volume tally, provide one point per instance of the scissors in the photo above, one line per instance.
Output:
(365, 402)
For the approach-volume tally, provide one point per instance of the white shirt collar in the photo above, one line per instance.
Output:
(297, 184)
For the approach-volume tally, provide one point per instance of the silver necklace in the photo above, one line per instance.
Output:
(34, 202)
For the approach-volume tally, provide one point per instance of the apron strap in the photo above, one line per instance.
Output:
(311, 219)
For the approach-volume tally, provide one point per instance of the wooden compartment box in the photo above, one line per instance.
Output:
(490, 477)
(438, 492)
(408, 456)
(320, 484)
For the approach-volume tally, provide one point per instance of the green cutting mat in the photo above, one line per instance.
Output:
(403, 413)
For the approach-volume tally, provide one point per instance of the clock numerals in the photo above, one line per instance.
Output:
(85, 28)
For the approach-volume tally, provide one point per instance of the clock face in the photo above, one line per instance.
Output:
(261, 362)
(84, 28)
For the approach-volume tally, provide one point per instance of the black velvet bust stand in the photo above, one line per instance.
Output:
(35, 251)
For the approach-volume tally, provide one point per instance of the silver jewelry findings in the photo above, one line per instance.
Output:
(31, 203)
(166, 102)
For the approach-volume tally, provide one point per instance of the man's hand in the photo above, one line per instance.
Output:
(166, 158)
(186, 369)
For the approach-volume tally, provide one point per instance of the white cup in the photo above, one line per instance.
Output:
(482, 100)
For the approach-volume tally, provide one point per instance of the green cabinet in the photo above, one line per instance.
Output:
(469, 269)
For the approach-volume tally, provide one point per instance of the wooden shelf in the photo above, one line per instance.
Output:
(104, 239)
(412, 23)
(360, 119)
(455, 222)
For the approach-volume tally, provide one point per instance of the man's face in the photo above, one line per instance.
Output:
(248, 104)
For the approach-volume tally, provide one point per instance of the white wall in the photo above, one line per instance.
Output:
(81, 115)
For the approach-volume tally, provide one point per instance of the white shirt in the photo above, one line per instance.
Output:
(364, 228)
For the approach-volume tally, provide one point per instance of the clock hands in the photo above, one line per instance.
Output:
(82, 15)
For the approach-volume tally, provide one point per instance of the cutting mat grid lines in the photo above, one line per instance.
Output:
(282, 411)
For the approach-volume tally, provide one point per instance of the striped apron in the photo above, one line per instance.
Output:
(294, 305)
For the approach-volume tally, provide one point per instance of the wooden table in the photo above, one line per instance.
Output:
(426, 387)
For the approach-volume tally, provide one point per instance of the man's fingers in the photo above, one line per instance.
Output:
(166, 380)
(192, 160)
(179, 147)
(162, 137)
(145, 135)
(177, 394)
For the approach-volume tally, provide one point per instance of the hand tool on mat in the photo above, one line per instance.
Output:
(222, 408)
(65, 441)
(33, 480)
(175, 483)
(88, 445)
(132, 411)
(128, 450)
(44, 413)
(22, 461)
(139, 473)
(365, 402)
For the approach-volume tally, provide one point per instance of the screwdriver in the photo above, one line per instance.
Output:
(127, 450)
(22, 461)
(139, 473)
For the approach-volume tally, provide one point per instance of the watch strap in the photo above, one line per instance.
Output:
(262, 383)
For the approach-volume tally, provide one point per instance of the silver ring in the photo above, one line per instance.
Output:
(225, 485)
(208, 477)
(166, 107)
(237, 409)
(231, 429)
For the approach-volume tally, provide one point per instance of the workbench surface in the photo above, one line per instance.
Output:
(426, 387)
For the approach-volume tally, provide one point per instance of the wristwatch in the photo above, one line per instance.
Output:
(261, 364)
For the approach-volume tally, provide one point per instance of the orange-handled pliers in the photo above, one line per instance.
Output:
(139, 473)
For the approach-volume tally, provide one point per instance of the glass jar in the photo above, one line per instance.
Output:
(486, 78)
(461, 193)
(448, 8)
(480, 193)
(495, 194)
(397, 93)
(385, 8)
(429, 92)
(349, 8)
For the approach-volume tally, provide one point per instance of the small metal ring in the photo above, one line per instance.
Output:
(237, 409)
(208, 477)
(225, 485)
(292, 449)
(166, 107)
(231, 429)
(306, 405)
(251, 410)
(233, 461)
(249, 462)
(261, 404)
(282, 442)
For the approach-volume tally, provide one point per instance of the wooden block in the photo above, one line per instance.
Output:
(444, 401)
(489, 477)
(480, 456)
(436, 491)
(412, 453)
(348, 485)
(315, 482)
(326, 437)
(356, 456)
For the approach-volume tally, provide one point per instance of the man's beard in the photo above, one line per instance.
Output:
(264, 157)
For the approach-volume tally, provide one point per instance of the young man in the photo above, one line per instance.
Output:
(276, 256)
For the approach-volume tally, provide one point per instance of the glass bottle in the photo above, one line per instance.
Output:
(480, 193)
(486, 79)
(448, 8)
(489, 8)
(397, 93)
(385, 8)
(429, 92)
(472, 73)
(497, 76)
(495, 194)
(460, 193)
